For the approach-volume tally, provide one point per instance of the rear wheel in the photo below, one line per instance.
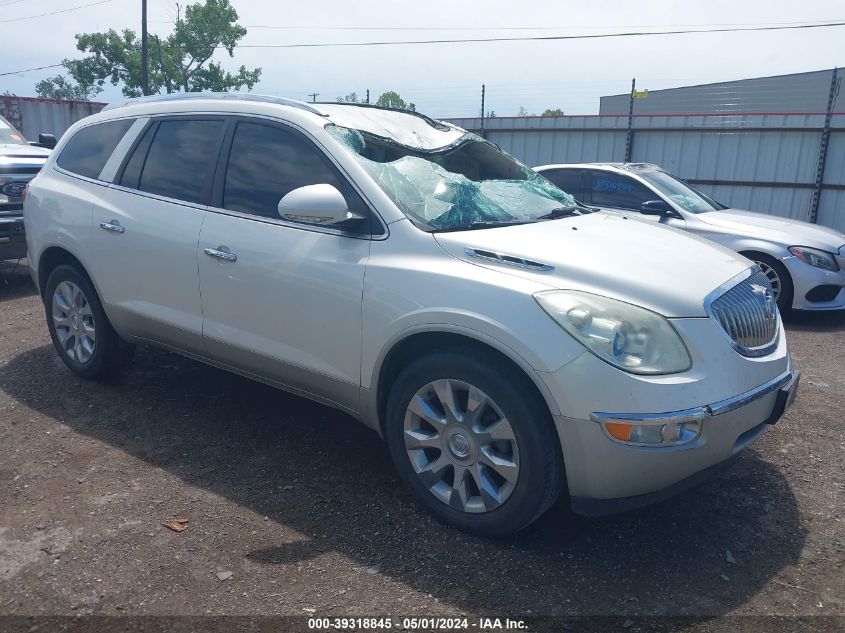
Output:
(778, 276)
(79, 328)
(474, 442)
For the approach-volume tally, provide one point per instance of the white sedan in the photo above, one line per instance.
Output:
(804, 262)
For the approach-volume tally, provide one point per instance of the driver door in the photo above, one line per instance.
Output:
(618, 192)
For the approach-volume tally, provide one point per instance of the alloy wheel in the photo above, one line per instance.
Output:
(461, 446)
(74, 322)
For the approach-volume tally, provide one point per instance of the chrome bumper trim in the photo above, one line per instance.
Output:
(698, 413)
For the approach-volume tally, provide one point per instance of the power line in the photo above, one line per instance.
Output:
(28, 70)
(547, 38)
(42, 15)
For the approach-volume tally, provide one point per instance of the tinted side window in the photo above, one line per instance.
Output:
(88, 151)
(267, 162)
(180, 156)
(567, 179)
(615, 190)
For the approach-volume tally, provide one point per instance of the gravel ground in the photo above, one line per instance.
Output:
(294, 508)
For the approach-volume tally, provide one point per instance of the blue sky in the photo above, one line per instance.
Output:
(445, 79)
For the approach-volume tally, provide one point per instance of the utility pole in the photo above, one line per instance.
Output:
(313, 96)
(145, 66)
(482, 110)
(368, 97)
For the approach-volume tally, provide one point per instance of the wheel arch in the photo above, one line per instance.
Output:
(55, 256)
(412, 344)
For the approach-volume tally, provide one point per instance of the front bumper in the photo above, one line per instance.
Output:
(606, 476)
(12, 237)
(805, 278)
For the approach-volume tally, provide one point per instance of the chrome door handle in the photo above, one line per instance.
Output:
(221, 254)
(113, 227)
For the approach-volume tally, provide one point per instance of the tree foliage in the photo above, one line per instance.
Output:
(59, 87)
(391, 99)
(352, 97)
(551, 112)
(182, 61)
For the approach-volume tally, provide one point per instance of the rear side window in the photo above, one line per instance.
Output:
(175, 159)
(567, 179)
(90, 148)
(267, 162)
(614, 190)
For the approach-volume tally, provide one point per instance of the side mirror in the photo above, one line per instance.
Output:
(655, 207)
(315, 204)
(47, 140)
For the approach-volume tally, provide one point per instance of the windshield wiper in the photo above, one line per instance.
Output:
(483, 224)
(565, 212)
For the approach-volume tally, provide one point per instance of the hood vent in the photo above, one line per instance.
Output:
(508, 260)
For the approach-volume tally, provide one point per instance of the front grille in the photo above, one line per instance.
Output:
(748, 314)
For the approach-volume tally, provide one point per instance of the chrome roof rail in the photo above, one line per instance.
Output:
(222, 96)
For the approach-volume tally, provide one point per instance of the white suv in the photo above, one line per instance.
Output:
(507, 343)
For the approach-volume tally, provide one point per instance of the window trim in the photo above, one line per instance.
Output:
(156, 121)
(221, 167)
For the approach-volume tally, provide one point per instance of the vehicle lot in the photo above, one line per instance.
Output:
(302, 506)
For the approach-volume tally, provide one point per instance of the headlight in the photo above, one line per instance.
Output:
(815, 257)
(626, 336)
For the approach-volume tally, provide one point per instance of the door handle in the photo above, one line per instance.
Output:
(219, 253)
(113, 227)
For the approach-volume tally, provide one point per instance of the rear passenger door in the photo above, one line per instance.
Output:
(284, 302)
(570, 180)
(147, 225)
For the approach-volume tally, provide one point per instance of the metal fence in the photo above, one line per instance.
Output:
(764, 162)
(33, 116)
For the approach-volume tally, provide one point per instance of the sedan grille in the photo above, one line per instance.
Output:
(748, 314)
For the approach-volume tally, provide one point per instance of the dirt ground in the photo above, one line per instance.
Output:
(294, 508)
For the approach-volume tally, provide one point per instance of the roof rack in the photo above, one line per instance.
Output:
(223, 96)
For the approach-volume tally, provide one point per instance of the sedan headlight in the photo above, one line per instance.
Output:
(815, 257)
(626, 336)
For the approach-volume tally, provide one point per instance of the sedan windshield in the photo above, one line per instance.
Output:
(681, 193)
(9, 135)
(466, 185)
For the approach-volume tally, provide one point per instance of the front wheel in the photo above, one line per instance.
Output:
(474, 442)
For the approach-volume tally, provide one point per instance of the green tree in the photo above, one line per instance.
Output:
(391, 99)
(182, 61)
(555, 112)
(352, 97)
(59, 87)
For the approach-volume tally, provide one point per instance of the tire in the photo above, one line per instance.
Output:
(508, 499)
(780, 278)
(79, 328)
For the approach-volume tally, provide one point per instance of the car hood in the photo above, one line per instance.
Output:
(16, 150)
(656, 267)
(785, 231)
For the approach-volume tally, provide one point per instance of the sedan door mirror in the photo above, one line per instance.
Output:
(655, 207)
(315, 204)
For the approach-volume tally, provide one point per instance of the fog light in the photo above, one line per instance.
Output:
(671, 430)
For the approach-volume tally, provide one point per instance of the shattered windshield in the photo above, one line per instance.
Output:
(468, 184)
(9, 135)
(682, 194)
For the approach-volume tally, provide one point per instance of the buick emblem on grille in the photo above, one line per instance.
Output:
(766, 300)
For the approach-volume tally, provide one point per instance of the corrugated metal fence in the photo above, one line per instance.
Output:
(759, 161)
(33, 116)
